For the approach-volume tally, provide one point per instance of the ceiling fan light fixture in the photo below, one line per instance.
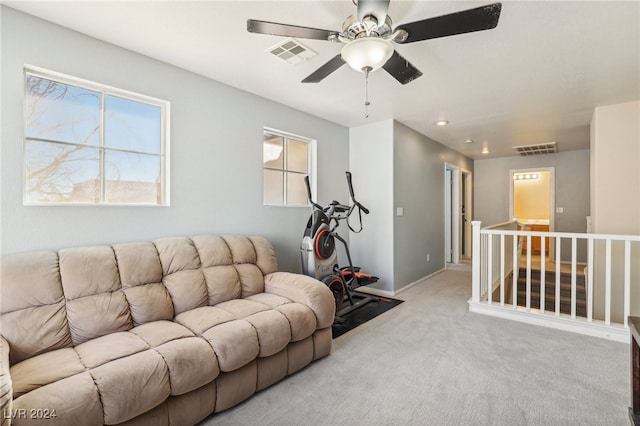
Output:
(367, 53)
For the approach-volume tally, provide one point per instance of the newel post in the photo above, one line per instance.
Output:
(475, 261)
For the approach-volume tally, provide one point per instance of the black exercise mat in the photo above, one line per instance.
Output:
(364, 313)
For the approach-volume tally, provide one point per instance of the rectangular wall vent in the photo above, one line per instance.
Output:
(543, 148)
(292, 51)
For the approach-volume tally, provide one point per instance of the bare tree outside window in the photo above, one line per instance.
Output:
(86, 144)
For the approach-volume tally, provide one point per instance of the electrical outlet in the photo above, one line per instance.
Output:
(559, 210)
(428, 257)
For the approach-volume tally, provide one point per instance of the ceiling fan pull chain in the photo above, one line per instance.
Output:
(366, 91)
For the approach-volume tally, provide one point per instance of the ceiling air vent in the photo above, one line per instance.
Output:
(292, 51)
(543, 148)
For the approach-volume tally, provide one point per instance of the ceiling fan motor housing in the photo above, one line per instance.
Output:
(352, 28)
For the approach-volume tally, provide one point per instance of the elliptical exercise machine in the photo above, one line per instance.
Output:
(320, 257)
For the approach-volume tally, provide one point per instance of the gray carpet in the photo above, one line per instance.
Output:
(431, 362)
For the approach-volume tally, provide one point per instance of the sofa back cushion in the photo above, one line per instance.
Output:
(141, 278)
(32, 305)
(234, 266)
(182, 273)
(221, 278)
(56, 300)
(96, 304)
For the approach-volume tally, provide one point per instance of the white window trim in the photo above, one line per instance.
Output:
(165, 131)
(311, 165)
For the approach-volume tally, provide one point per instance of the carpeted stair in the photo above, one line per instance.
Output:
(550, 291)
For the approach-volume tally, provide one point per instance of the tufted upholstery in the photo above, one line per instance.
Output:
(160, 333)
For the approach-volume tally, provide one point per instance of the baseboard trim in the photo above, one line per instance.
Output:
(614, 332)
(387, 293)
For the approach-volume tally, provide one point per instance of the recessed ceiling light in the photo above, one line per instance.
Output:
(485, 150)
(468, 141)
(441, 123)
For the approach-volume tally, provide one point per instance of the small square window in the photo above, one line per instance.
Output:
(286, 160)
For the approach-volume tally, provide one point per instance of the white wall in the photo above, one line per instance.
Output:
(615, 198)
(216, 150)
(615, 169)
(371, 164)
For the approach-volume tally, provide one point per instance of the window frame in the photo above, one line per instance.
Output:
(311, 165)
(104, 91)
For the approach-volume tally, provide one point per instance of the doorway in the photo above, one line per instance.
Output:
(532, 201)
(457, 197)
(466, 216)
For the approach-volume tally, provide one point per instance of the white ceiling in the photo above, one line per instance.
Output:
(536, 78)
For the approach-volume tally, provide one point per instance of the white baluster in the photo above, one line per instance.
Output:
(573, 276)
(607, 284)
(557, 276)
(501, 269)
(627, 281)
(475, 261)
(589, 282)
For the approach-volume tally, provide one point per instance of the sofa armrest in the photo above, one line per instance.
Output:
(6, 387)
(306, 290)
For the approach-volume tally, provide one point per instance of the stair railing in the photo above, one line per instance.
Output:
(612, 278)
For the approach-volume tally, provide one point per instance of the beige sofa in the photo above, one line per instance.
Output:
(152, 333)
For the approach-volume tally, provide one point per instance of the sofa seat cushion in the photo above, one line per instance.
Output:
(301, 319)
(273, 330)
(192, 363)
(107, 348)
(268, 299)
(131, 385)
(241, 308)
(44, 369)
(156, 333)
(235, 343)
(202, 319)
(74, 400)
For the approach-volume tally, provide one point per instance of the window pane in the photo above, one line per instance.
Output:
(132, 125)
(296, 190)
(272, 151)
(61, 173)
(61, 112)
(297, 156)
(273, 187)
(132, 178)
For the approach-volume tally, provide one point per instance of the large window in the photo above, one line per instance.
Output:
(287, 159)
(86, 143)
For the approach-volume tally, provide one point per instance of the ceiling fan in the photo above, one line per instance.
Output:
(368, 37)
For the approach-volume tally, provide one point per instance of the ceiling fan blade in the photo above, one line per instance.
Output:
(401, 69)
(377, 8)
(466, 21)
(318, 75)
(285, 30)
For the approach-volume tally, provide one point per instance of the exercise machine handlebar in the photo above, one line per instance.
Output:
(309, 196)
(334, 208)
(353, 197)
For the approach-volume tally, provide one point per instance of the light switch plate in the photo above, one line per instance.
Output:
(399, 211)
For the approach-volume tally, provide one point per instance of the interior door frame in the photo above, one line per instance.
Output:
(552, 198)
(467, 176)
(453, 208)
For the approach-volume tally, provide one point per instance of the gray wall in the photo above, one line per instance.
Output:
(491, 182)
(216, 150)
(419, 170)
(572, 189)
(394, 166)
